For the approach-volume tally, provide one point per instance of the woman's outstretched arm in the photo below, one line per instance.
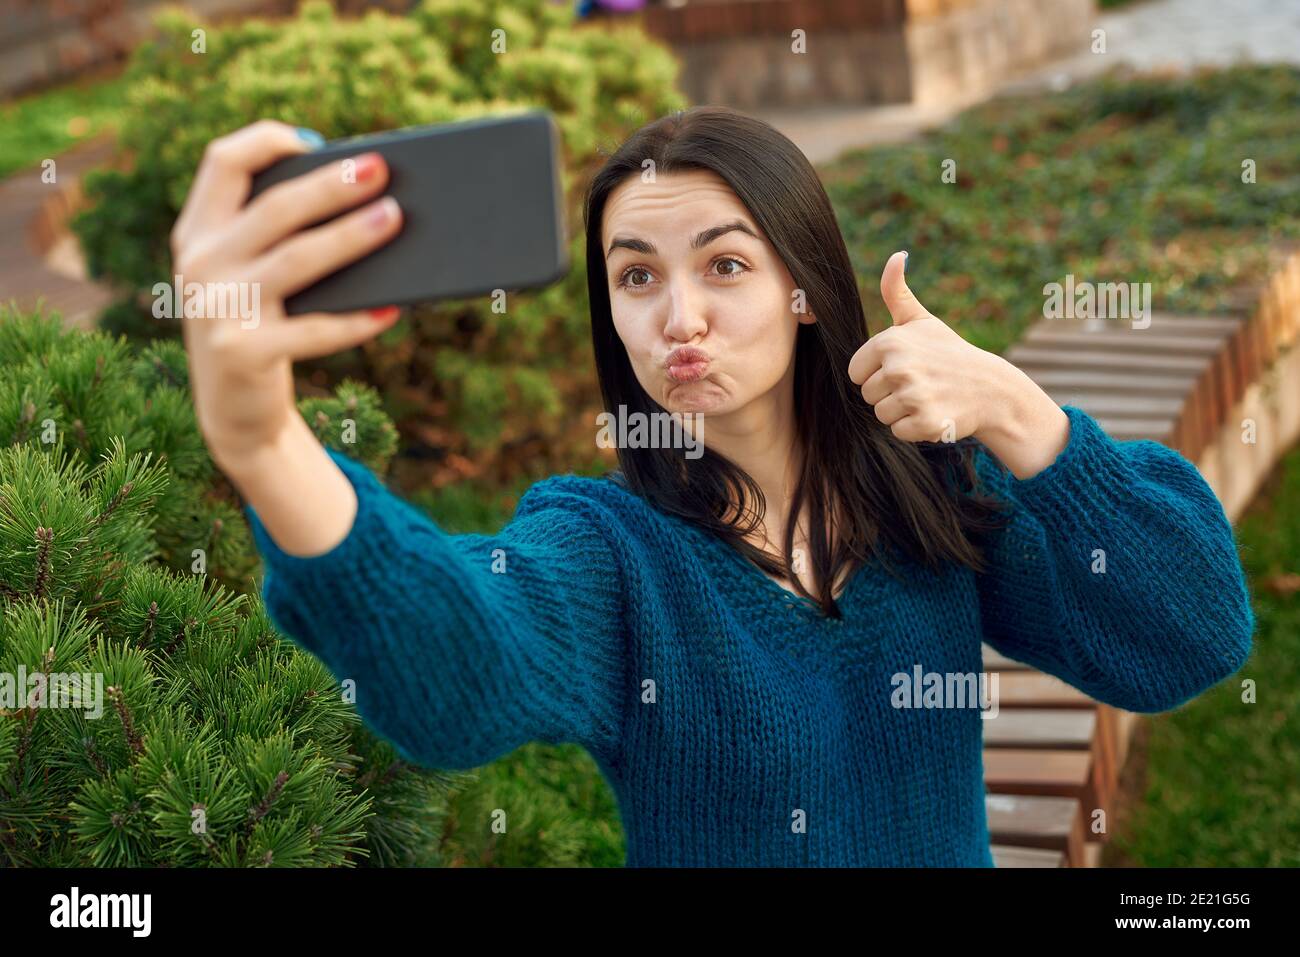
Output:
(460, 647)
(1118, 572)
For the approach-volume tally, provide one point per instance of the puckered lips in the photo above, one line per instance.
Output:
(687, 364)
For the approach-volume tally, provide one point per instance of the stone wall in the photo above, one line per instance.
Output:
(739, 52)
(969, 48)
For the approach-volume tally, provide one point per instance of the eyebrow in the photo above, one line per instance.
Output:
(700, 241)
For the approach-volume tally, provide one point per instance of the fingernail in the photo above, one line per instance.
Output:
(904, 260)
(311, 137)
(383, 213)
(387, 312)
(368, 165)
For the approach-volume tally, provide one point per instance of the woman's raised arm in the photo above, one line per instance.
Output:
(1118, 573)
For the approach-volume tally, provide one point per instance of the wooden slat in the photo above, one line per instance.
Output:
(1067, 729)
(1124, 430)
(1046, 823)
(1033, 689)
(1023, 771)
(1027, 357)
(1213, 355)
(1126, 339)
(1093, 380)
(1025, 857)
(1119, 405)
(1161, 323)
(1076, 774)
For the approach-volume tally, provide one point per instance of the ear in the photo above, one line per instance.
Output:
(807, 318)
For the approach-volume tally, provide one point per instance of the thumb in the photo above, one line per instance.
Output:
(903, 306)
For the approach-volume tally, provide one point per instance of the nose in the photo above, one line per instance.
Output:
(686, 319)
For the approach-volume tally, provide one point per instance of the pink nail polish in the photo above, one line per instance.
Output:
(383, 213)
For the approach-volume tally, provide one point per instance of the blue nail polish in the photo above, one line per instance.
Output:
(904, 260)
(310, 137)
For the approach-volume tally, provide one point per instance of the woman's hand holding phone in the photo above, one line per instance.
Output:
(241, 364)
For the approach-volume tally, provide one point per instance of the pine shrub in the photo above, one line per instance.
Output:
(201, 737)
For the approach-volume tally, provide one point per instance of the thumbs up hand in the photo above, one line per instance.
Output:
(928, 384)
(921, 378)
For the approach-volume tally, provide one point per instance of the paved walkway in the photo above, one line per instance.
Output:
(35, 263)
(1181, 35)
(1190, 33)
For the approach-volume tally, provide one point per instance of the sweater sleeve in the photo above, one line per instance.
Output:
(463, 647)
(1118, 572)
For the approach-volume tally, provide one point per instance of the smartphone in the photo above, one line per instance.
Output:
(482, 206)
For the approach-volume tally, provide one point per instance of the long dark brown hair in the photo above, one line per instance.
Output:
(886, 492)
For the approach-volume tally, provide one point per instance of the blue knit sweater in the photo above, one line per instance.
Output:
(735, 723)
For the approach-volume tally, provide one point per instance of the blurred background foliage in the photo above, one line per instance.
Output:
(476, 394)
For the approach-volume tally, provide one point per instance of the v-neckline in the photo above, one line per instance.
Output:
(787, 597)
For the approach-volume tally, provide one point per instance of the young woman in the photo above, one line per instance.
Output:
(741, 638)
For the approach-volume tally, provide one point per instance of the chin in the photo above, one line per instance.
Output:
(702, 397)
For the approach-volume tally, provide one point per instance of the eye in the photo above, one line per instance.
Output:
(623, 282)
(734, 272)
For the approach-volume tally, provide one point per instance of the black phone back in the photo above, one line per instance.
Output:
(482, 205)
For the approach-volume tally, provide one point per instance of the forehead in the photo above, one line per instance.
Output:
(674, 202)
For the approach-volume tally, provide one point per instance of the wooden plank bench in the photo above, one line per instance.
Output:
(1048, 763)
(1204, 364)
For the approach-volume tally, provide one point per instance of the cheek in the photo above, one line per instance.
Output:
(636, 334)
(764, 328)
(628, 330)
